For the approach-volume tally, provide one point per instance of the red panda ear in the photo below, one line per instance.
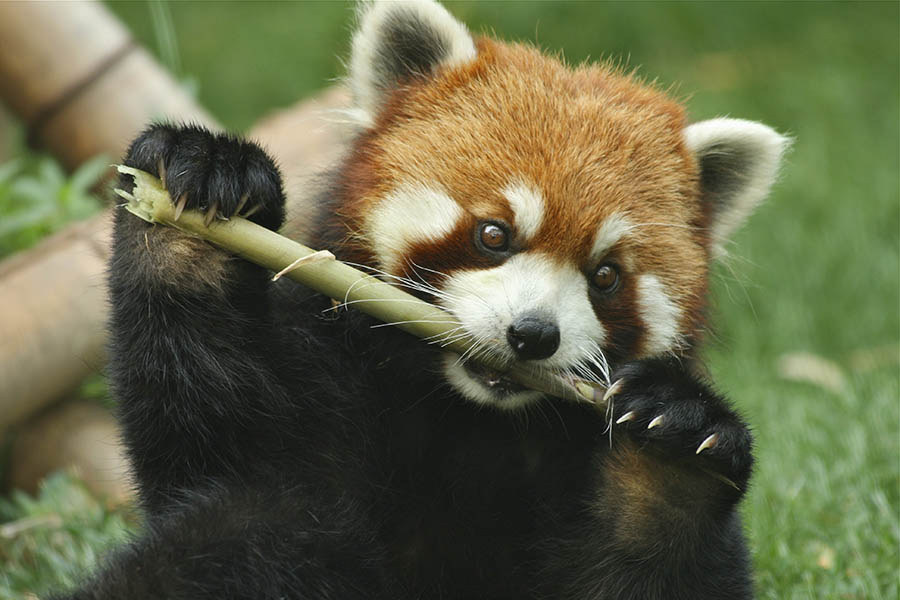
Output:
(398, 39)
(738, 161)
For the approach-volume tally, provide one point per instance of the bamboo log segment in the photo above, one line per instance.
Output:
(80, 436)
(73, 74)
(83, 88)
(53, 301)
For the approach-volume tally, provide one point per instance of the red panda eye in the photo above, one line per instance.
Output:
(493, 237)
(605, 278)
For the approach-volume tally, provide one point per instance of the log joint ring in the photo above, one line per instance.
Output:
(53, 108)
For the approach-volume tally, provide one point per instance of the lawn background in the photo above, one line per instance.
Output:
(816, 271)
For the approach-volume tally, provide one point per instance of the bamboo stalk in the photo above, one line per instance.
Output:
(151, 202)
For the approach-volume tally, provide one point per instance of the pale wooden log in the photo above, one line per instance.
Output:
(52, 312)
(72, 73)
(305, 140)
(49, 48)
(79, 436)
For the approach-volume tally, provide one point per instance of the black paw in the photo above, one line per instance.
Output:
(218, 174)
(657, 402)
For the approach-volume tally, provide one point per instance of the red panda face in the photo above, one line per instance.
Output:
(566, 217)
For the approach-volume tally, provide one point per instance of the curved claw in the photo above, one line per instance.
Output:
(709, 442)
(656, 422)
(210, 214)
(629, 416)
(242, 203)
(613, 390)
(252, 211)
(179, 206)
(161, 171)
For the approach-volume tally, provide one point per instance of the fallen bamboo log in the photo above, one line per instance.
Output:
(81, 85)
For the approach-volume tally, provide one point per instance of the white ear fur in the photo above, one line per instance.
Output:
(400, 38)
(739, 162)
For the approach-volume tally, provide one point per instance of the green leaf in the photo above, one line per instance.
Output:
(8, 169)
(51, 173)
(31, 190)
(26, 219)
(89, 173)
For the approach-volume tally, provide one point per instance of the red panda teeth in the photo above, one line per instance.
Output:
(493, 379)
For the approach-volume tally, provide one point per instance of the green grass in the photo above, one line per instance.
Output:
(37, 198)
(817, 270)
(51, 541)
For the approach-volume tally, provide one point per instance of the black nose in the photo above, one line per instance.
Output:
(533, 337)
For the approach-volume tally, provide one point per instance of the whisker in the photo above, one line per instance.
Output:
(464, 356)
(454, 338)
(444, 275)
(477, 345)
(351, 302)
(678, 225)
(376, 326)
(448, 333)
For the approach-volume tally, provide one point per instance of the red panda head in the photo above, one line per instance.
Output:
(566, 217)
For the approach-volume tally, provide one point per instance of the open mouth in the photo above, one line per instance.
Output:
(493, 380)
(487, 385)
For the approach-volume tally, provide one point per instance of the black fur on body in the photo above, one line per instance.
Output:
(283, 450)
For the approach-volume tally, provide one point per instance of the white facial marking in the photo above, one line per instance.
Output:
(528, 207)
(613, 229)
(660, 315)
(486, 301)
(410, 214)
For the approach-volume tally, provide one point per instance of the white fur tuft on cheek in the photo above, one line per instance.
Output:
(409, 215)
(660, 315)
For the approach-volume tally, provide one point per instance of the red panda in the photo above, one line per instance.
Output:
(567, 218)
(579, 170)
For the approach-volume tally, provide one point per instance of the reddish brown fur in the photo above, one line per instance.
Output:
(176, 259)
(594, 141)
(648, 496)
